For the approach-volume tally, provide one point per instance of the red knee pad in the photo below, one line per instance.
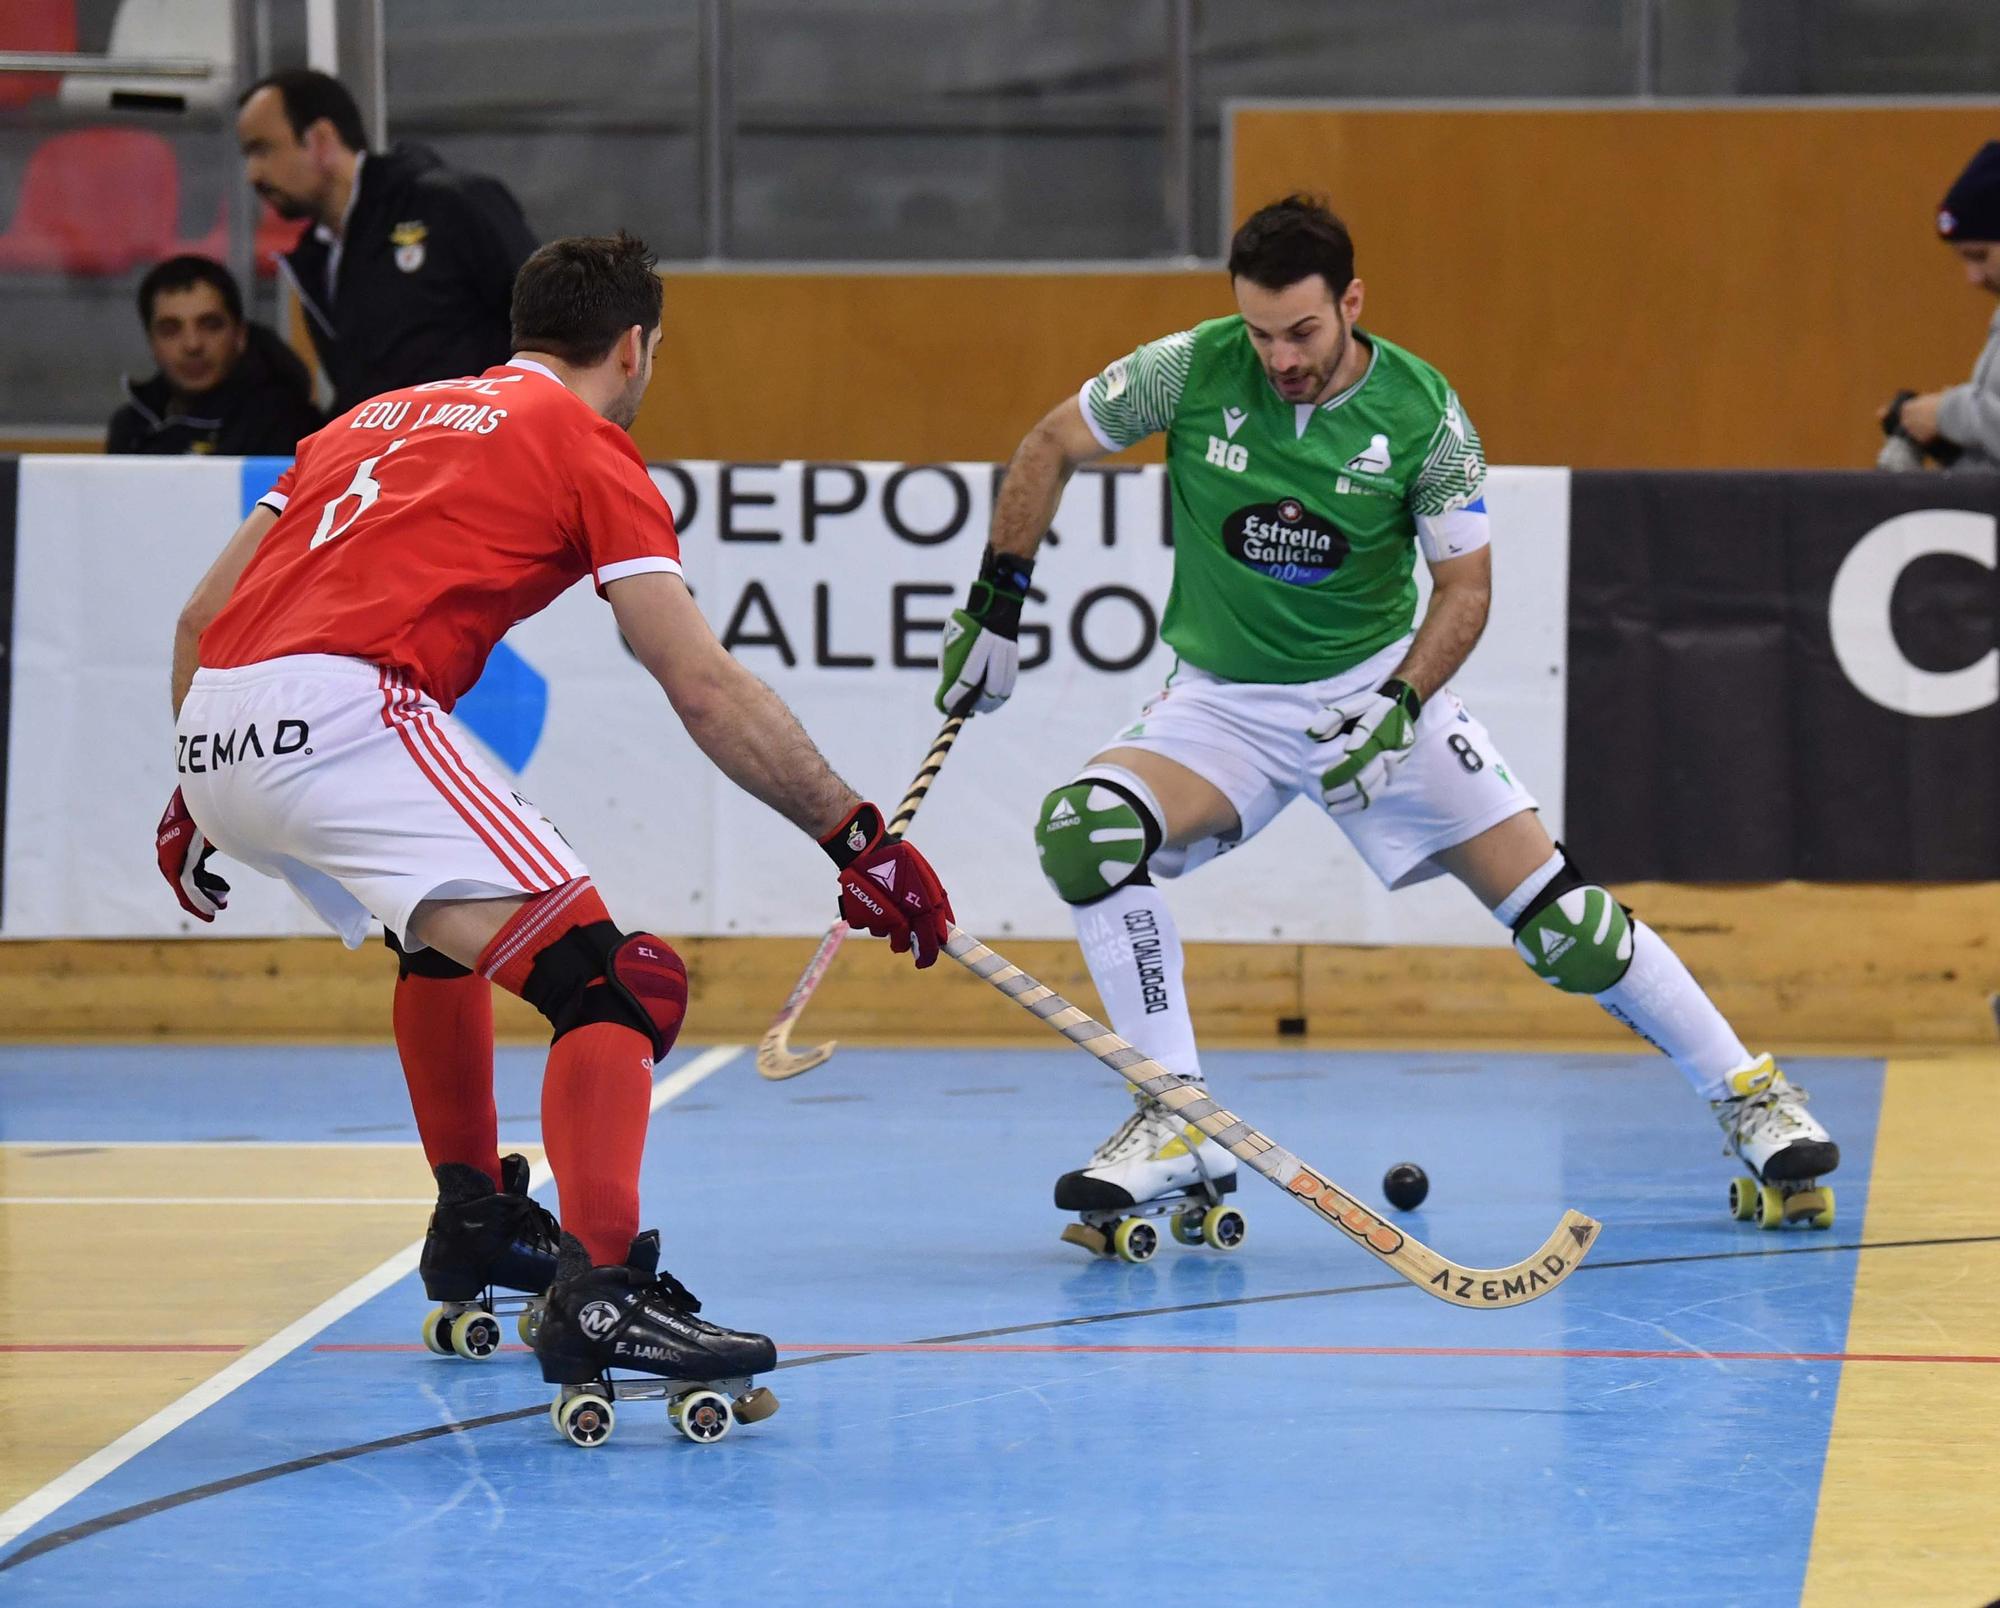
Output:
(654, 981)
(564, 956)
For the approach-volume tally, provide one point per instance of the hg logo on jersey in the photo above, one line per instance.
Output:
(1228, 455)
(1286, 541)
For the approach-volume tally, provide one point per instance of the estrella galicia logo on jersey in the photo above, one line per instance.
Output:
(1285, 540)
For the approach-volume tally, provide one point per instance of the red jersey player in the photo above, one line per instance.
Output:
(314, 671)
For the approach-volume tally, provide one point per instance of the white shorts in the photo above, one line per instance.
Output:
(341, 779)
(1250, 740)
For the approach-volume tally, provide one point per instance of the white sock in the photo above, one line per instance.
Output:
(1659, 1000)
(1133, 950)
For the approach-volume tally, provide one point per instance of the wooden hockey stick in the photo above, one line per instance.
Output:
(775, 1059)
(1561, 1254)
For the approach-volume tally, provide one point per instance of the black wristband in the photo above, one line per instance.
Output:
(848, 841)
(1404, 695)
(996, 597)
(1892, 420)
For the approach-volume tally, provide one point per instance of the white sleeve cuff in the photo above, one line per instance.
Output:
(273, 500)
(1089, 418)
(608, 573)
(1455, 533)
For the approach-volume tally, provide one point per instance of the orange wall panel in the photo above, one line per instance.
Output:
(1664, 287)
(919, 367)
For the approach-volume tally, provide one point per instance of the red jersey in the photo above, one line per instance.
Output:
(414, 530)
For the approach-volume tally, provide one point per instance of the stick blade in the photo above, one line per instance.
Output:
(776, 1062)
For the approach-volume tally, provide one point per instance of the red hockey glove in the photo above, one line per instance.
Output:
(184, 850)
(887, 887)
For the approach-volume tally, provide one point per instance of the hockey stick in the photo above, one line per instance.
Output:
(775, 1059)
(1561, 1254)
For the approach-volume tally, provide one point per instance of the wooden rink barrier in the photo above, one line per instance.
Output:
(1793, 965)
(1696, 285)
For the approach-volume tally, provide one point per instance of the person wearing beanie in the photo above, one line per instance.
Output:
(1960, 426)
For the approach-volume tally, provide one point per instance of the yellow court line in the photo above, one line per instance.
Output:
(217, 1200)
(1909, 1508)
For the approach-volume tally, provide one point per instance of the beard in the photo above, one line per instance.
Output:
(626, 407)
(287, 206)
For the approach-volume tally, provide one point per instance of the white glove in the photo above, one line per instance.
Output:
(1369, 736)
(988, 661)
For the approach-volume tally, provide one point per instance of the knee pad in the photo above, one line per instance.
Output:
(1574, 935)
(1095, 834)
(424, 963)
(564, 955)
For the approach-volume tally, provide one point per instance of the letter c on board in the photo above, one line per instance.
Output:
(1864, 640)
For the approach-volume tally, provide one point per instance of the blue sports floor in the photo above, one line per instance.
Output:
(975, 1413)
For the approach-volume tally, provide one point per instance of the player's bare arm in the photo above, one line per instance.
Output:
(754, 740)
(211, 592)
(1461, 595)
(1041, 466)
(734, 718)
(980, 656)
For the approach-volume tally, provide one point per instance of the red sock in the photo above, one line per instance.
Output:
(596, 1098)
(444, 1034)
(598, 1090)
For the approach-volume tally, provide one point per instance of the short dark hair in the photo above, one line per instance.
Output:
(1290, 240)
(184, 273)
(574, 297)
(309, 95)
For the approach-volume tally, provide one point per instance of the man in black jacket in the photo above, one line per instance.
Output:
(224, 385)
(407, 271)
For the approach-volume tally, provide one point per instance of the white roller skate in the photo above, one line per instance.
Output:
(1765, 1120)
(1152, 1167)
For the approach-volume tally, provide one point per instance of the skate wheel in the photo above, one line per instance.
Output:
(1135, 1240)
(704, 1415)
(1091, 1239)
(434, 1333)
(1813, 1207)
(475, 1335)
(585, 1418)
(1187, 1227)
(1223, 1227)
(754, 1406)
(1770, 1206)
(1742, 1199)
(528, 1325)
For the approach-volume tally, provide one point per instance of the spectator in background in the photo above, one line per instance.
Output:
(1960, 427)
(225, 385)
(407, 272)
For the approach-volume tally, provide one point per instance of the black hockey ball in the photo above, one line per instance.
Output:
(1405, 1185)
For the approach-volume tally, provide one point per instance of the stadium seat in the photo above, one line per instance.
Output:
(99, 201)
(35, 25)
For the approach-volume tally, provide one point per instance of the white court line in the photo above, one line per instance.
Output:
(32, 1509)
(217, 1200)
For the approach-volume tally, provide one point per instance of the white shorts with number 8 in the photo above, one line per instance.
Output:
(1250, 740)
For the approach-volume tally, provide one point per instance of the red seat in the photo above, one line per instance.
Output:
(275, 236)
(99, 201)
(35, 25)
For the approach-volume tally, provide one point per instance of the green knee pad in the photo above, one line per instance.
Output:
(1580, 942)
(1092, 840)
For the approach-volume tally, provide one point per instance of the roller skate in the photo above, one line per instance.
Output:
(1787, 1152)
(639, 1318)
(1152, 1167)
(483, 1241)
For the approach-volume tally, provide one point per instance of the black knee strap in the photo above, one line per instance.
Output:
(568, 984)
(424, 963)
(1567, 880)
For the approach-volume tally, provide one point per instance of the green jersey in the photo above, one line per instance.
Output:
(1295, 525)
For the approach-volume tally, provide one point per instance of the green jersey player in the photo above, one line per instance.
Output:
(1310, 462)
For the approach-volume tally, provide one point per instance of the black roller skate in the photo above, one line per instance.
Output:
(639, 1318)
(483, 1241)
